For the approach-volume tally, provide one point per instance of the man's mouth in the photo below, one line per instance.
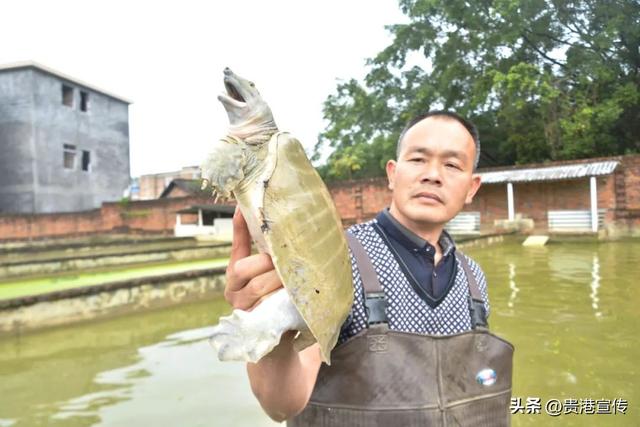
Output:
(427, 195)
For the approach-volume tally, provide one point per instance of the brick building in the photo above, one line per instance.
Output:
(152, 186)
(550, 197)
(64, 143)
(201, 218)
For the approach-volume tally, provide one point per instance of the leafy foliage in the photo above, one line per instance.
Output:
(542, 79)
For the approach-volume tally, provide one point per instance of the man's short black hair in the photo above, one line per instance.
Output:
(469, 126)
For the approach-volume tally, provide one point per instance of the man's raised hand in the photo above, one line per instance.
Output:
(250, 278)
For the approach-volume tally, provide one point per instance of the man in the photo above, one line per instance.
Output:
(417, 288)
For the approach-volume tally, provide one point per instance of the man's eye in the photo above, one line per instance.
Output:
(416, 159)
(452, 165)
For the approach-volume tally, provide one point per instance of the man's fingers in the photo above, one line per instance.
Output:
(255, 291)
(264, 284)
(245, 269)
(249, 277)
(241, 245)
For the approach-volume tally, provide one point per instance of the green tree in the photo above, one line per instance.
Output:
(543, 79)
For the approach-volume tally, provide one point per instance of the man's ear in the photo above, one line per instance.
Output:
(475, 185)
(391, 173)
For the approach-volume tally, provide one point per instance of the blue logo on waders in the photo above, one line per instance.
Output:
(486, 377)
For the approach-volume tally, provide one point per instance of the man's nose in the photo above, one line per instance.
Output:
(431, 173)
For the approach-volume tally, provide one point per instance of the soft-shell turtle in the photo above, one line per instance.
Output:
(291, 216)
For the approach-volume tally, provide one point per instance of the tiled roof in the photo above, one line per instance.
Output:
(189, 186)
(551, 173)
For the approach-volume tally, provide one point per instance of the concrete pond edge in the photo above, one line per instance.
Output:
(29, 313)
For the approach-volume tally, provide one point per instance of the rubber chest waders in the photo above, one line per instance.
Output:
(387, 378)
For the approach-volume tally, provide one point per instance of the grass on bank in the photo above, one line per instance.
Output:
(75, 279)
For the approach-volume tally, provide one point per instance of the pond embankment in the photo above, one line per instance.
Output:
(53, 284)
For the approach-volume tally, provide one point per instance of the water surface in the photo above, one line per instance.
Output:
(572, 312)
(153, 369)
(570, 309)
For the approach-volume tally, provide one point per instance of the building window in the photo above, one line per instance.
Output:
(84, 101)
(67, 96)
(86, 160)
(69, 157)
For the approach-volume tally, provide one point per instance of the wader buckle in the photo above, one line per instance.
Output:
(478, 313)
(375, 305)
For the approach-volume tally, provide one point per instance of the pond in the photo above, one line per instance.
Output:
(570, 309)
(154, 368)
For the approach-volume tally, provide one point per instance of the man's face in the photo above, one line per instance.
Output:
(433, 176)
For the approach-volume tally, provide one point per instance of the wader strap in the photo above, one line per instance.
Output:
(375, 302)
(476, 303)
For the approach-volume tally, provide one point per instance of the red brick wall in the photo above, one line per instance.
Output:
(533, 200)
(360, 200)
(491, 202)
(142, 216)
(628, 191)
(631, 171)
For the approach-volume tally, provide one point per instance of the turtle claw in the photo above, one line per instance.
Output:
(239, 337)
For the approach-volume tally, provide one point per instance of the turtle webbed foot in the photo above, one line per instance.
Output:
(250, 335)
(239, 338)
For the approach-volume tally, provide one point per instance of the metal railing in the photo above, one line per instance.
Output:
(464, 223)
(573, 220)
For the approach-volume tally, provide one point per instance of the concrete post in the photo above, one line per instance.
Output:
(199, 217)
(512, 214)
(594, 204)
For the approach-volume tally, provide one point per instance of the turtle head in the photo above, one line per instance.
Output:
(250, 117)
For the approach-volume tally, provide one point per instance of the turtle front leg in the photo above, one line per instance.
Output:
(224, 167)
(250, 335)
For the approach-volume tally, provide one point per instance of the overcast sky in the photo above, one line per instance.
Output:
(168, 56)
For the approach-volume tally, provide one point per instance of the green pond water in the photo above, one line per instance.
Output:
(570, 309)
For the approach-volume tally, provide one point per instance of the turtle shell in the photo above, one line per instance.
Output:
(306, 240)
